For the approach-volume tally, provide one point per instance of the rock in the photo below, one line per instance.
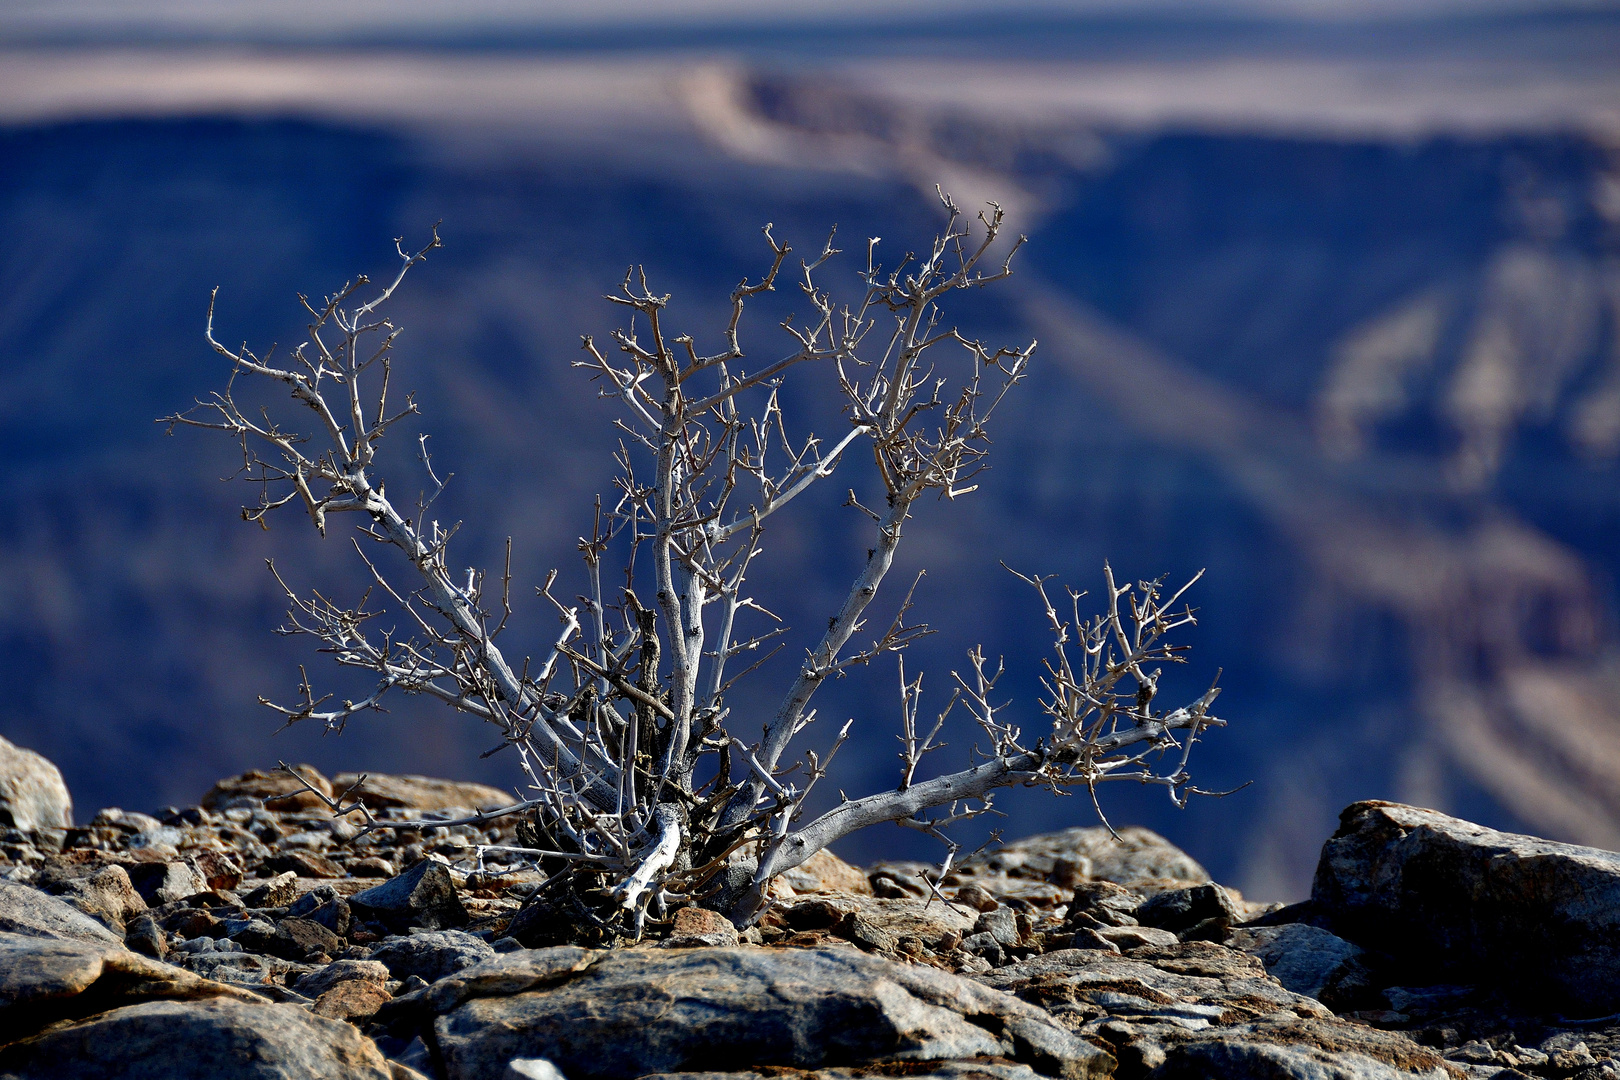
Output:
(1307, 1049)
(165, 882)
(825, 872)
(1182, 910)
(44, 980)
(700, 928)
(938, 1070)
(323, 979)
(433, 955)
(381, 791)
(32, 794)
(1138, 855)
(276, 790)
(354, 1001)
(423, 896)
(1145, 937)
(1454, 898)
(143, 935)
(1105, 903)
(279, 891)
(531, 1069)
(324, 905)
(25, 910)
(1193, 985)
(304, 864)
(304, 939)
(1308, 960)
(106, 895)
(203, 1040)
(628, 1013)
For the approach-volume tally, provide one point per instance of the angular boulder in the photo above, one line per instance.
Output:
(32, 794)
(633, 1012)
(1308, 960)
(423, 896)
(1529, 915)
(206, 1040)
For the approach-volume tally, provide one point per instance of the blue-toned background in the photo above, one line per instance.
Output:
(1327, 308)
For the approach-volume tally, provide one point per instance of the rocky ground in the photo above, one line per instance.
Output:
(252, 935)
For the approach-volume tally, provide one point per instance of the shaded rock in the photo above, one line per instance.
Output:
(382, 791)
(277, 790)
(38, 970)
(1181, 910)
(145, 936)
(1318, 1049)
(219, 1039)
(25, 910)
(105, 895)
(44, 980)
(629, 1013)
(32, 794)
(1533, 916)
(165, 882)
(302, 939)
(325, 906)
(1140, 937)
(433, 955)
(700, 928)
(1105, 903)
(422, 896)
(1308, 960)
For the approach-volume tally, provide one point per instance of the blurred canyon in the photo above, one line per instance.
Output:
(1333, 314)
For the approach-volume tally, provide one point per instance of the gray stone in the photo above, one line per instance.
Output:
(939, 1070)
(144, 935)
(631, 1012)
(25, 910)
(279, 891)
(1460, 900)
(209, 1040)
(1076, 985)
(1308, 960)
(324, 978)
(324, 905)
(32, 794)
(382, 791)
(166, 882)
(433, 955)
(34, 971)
(1179, 910)
(1137, 855)
(422, 896)
(1324, 1049)
(105, 895)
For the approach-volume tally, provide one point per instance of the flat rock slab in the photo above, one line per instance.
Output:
(1192, 985)
(25, 910)
(629, 1013)
(1515, 911)
(208, 1040)
(381, 791)
(1323, 1049)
